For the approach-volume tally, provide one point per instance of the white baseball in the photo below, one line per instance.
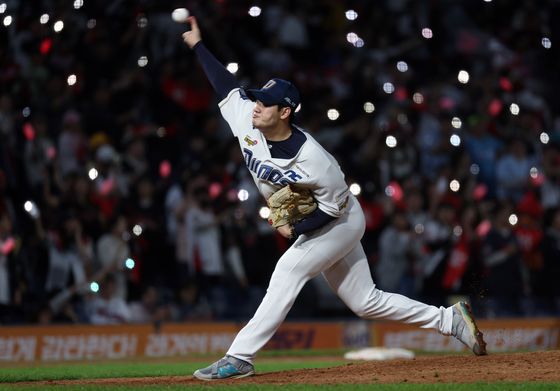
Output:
(180, 15)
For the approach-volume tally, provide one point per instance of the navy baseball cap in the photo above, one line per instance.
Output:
(276, 92)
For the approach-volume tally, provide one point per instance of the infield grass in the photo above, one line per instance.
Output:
(103, 370)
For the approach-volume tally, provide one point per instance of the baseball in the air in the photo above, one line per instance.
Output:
(180, 15)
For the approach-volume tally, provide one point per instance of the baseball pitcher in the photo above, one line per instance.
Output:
(326, 234)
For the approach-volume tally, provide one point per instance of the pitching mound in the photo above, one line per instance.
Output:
(516, 367)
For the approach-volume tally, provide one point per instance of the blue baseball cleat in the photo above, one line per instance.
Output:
(228, 367)
(465, 330)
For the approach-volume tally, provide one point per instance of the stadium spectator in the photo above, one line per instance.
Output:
(107, 307)
(399, 253)
(547, 287)
(503, 275)
(112, 253)
(513, 170)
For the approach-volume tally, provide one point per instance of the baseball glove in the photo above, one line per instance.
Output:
(290, 205)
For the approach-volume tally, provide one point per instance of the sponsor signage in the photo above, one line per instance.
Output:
(500, 336)
(76, 343)
(86, 342)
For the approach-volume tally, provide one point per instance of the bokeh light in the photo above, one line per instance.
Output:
(454, 185)
(264, 212)
(388, 88)
(369, 107)
(351, 15)
(165, 168)
(391, 141)
(142, 61)
(395, 191)
(93, 173)
(7, 20)
(355, 189)
(94, 287)
(333, 114)
(44, 19)
(359, 43)
(513, 219)
(457, 230)
(495, 107)
(514, 108)
(456, 122)
(427, 33)
(455, 140)
(474, 169)
(402, 66)
(31, 208)
(255, 11)
(463, 77)
(232, 67)
(58, 26)
(129, 263)
(534, 172)
(215, 189)
(242, 195)
(418, 98)
(142, 21)
(28, 131)
(137, 230)
(71, 80)
(352, 38)
(546, 43)
(389, 191)
(3, 8)
(78, 4)
(544, 138)
(28, 206)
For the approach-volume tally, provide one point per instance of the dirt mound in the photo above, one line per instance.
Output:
(510, 367)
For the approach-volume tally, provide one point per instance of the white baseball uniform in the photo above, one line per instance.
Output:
(333, 250)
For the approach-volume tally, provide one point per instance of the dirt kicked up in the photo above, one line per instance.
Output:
(500, 367)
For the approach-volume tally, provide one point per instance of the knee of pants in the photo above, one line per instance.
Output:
(365, 306)
(360, 311)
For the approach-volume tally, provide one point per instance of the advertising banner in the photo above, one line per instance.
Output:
(85, 342)
(500, 336)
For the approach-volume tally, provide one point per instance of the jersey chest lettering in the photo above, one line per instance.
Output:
(269, 173)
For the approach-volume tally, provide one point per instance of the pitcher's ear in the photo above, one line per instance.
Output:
(285, 112)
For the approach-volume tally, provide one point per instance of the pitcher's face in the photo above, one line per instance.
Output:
(268, 117)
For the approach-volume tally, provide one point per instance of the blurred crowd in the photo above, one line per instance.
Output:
(124, 198)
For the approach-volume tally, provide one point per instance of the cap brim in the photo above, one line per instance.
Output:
(262, 96)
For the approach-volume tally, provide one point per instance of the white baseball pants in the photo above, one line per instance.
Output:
(336, 252)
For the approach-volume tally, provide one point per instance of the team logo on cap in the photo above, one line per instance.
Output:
(250, 141)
